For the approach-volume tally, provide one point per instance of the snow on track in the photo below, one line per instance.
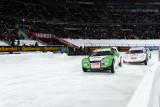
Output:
(57, 80)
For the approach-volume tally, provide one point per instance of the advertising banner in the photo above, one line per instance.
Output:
(135, 10)
(123, 49)
(93, 48)
(144, 10)
(7, 36)
(149, 47)
(43, 35)
(9, 48)
(29, 48)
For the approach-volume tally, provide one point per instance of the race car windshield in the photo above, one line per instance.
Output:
(134, 51)
(101, 53)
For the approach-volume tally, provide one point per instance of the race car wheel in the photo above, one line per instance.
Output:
(121, 62)
(84, 69)
(112, 67)
(145, 61)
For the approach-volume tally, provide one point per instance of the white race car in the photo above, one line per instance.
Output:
(138, 54)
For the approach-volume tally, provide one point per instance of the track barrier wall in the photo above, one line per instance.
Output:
(159, 53)
(120, 48)
(148, 92)
(149, 47)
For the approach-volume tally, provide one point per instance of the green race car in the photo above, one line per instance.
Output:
(101, 59)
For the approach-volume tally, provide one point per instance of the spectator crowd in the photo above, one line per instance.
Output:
(67, 21)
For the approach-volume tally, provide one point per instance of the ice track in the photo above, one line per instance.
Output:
(57, 80)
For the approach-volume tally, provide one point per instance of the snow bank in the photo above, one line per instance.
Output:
(29, 42)
(3, 44)
(148, 92)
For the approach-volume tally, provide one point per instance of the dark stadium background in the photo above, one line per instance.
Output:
(78, 19)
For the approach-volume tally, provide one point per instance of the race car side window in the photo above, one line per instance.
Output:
(115, 50)
(112, 51)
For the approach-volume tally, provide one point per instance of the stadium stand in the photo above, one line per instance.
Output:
(110, 21)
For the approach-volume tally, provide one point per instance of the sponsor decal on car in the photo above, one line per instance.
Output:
(95, 64)
(133, 57)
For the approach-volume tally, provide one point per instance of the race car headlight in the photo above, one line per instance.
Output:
(105, 62)
(86, 63)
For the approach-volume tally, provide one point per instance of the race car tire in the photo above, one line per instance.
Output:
(121, 62)
(145, 61)
(112, 67)
(84, 69)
